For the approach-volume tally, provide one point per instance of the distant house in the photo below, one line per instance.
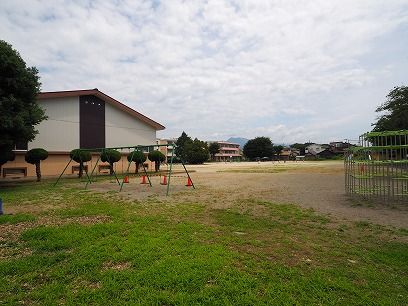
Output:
(83, 119)
(339, 147)
(229, 151)
(288, 154)
(168, 150)
(318, 151)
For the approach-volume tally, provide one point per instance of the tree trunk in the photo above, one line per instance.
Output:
(157, 165)
(38, 171)
(110, 169)
(137, 167)
(81, 168)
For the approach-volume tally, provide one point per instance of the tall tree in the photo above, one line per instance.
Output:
(258, 147)
(277, 150)
(196, 151)
(6, 156)
(19, 87)
(213, 148)
(181, 144)
(395, 116)
(35, 156)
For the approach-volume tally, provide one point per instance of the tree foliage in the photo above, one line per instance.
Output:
(258, 147)
(191, 151)
(213, 148)
(157, 157)
(80, 157)
(35, 156)
(196, 151)
(300, 146)
(110, 156)
(395, 111)
(277, 150)
(138, 157)
(19, 87)
(6, 156)
(180, 146)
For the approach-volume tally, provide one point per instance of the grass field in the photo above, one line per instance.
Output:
(68, 246)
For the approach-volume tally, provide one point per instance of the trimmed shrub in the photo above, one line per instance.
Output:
(138, 158)
(110, 156)
(35, 156)
(80, 157)
(157, 157)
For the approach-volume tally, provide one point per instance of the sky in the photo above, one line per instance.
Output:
(294, 71)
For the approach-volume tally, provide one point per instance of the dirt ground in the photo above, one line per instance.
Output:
(315, 185)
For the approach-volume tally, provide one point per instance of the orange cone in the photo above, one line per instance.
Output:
(189, 183)
(126, 179)
(164, 182)
(143, 179)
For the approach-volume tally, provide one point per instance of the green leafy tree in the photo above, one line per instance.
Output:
(395, 111)
(277, 150)
(213, 148)
(110, 156)
(138, 158)
(19, 87)
(6, 156)
(81, 157)
(196, 151)
(157, 157)
(181, 144)
(35, 156)
(258, 147)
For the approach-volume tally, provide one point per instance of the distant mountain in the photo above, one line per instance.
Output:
(240, 140)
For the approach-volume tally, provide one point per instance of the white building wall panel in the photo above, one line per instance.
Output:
(61, 131)
(124, 130)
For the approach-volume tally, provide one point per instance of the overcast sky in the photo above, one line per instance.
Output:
(291, 70)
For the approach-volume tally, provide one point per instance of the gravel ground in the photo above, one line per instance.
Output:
(316, 185)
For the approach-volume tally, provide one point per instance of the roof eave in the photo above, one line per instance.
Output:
(104, 97)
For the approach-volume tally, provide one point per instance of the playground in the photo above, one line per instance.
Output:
(249, 233)
(311, 185)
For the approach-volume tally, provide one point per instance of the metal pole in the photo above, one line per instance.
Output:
(127, 170)
(171, 166)
(86, 172)
(148, 178)
(93, 170)
(188, 174)
(55, 184)
(111, 167)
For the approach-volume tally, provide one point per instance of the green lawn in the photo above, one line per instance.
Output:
(70, 246)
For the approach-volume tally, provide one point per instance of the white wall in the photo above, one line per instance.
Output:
(123, 129)
(61, 131)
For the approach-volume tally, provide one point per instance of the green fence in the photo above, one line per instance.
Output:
(378, 167)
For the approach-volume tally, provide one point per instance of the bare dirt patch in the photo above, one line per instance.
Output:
(315, 185)
(118, 266)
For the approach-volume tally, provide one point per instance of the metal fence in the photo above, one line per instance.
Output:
(377, 168)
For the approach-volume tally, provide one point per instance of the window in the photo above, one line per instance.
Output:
(22, 145)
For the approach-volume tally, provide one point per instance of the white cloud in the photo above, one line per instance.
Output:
(217, 68)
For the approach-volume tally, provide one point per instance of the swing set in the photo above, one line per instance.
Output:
(142, 148)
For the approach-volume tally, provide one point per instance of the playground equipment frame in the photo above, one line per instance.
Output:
(141, 148)
(378, 167)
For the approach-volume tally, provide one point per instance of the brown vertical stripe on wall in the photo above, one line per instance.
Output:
(91, 122)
